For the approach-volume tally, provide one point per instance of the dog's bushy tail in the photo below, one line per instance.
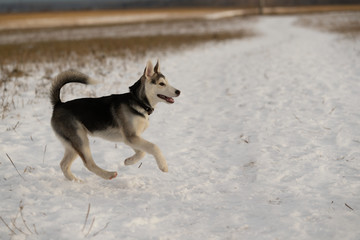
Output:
(64, 78)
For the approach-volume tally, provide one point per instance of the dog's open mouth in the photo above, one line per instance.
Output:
(167, 99)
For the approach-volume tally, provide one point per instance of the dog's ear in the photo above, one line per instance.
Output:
(157, 67)
(148, 72)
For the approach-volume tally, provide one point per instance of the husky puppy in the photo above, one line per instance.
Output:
(118, 117)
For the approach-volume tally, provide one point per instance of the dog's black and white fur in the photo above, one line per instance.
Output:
(118, 117)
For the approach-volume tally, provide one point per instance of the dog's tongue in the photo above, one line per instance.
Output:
(169, 100)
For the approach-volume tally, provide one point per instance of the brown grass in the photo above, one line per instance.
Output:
(101, 47)
(71, 16)
(25, 41)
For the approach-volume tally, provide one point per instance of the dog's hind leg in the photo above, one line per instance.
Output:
(69, 157)
(135, 158)
(84, 151)
(90, 164)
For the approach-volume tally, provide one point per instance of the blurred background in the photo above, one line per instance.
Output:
(7, 6)
(71, 30)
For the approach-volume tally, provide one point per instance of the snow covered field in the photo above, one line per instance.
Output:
(263, 143)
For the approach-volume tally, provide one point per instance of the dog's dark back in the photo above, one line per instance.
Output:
(95, 113)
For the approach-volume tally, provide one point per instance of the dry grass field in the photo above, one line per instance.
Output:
(29, 37)
(79, 38)
(76, 18)
(78, 34)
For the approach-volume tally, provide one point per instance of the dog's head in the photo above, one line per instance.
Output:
(157, 87)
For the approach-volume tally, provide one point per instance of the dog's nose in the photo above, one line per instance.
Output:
(177, 92)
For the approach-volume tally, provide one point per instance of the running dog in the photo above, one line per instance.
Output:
(118, 117)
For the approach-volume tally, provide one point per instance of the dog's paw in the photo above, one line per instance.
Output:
(130, 161)
(164, 168)
(77, 180)
(113, 175)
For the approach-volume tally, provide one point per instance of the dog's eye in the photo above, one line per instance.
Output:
(162, 84)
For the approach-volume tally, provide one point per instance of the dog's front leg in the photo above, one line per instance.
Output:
(136, 142)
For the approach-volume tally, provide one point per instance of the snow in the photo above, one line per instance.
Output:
(263, 143)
